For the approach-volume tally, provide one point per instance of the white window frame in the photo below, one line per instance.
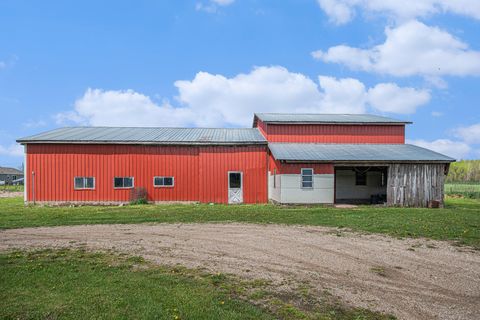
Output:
(241, 179)
(301, 178)
(164, 186)
(133, 183)
(84, 183)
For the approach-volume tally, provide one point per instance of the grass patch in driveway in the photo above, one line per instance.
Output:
(459, 221)
(76, 284)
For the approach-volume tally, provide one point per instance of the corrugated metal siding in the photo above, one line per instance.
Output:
(335, 133)
(200, 172)
(262, 127)
(215, 162)
(295, 168)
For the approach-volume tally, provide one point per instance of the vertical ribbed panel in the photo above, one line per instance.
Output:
(295, 168)
(200, 172)
(321, 133)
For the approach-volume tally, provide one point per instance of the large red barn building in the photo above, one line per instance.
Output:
(284, 158)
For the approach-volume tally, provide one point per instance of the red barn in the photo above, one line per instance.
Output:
(285, 158)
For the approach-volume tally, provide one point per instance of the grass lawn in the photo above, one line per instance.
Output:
(468, 190)
(82, 285)
(10, 188)
(459, 221)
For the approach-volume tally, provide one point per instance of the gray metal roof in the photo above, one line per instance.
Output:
(7, 170)
(326, 118)
(137, 135)
(354, 153)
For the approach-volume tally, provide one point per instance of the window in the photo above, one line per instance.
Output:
(123, 182)
(235, 180)
(307, 178)
(163, 181)
(360, 178)
(84, 183)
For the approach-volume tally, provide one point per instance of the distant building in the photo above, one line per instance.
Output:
(8, 175)
(284, 158)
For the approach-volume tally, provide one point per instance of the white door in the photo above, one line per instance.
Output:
(235, 187)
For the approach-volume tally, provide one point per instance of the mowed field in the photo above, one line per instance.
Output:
(468, 190)
(76, 282)
(458, 222)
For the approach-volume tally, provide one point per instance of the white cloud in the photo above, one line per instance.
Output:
(389, 97)
(342, 95)
(211, 100)
(339, 12)
(410, 49)
(121, 108)
(3, 64)
(436, 113)
(469, 134)
(212, 5)
(454, 149)
(343, 11)
(13, 150)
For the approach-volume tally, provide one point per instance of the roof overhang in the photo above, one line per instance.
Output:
(151, 143)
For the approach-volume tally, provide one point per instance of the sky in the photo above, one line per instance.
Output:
(213, 63)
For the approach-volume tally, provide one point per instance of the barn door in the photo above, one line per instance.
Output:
(235, 187)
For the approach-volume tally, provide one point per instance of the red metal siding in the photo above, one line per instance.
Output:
(262, 126)
(295, 168)
(200, 172)
(215, 162)
(318, 133)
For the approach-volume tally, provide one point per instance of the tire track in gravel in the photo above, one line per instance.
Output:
(435, 282)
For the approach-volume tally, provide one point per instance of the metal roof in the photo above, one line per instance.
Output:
(7, 170)
(354, 153)
(326, 118)
(135, 135)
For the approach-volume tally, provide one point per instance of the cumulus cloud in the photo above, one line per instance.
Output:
(470, 134)
(389, 97)
(212, 100)
(343, 11)
(13, 150)
(412, 48)
(121, 108)
(455, 149)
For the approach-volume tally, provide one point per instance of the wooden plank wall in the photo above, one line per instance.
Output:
(414, 185)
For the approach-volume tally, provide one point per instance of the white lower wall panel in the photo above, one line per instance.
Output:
(274, 188)
(289, 189)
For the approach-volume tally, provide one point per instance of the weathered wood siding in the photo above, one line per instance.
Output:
(414, 185)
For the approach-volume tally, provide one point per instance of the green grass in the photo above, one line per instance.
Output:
(9, 188)
(77, 284)
(459, 221)
(468, 190)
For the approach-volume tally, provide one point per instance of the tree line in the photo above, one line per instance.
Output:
(464, 171)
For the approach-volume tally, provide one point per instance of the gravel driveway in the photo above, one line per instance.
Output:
(411, 278)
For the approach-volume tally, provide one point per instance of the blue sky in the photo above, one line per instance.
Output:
(214, 63)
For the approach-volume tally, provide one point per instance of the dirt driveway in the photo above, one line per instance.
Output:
(413, 279)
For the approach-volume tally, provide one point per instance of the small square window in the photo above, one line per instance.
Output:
(123, 182)
(163, 181)
(307, 178)
(84, 183)
(78, 183)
